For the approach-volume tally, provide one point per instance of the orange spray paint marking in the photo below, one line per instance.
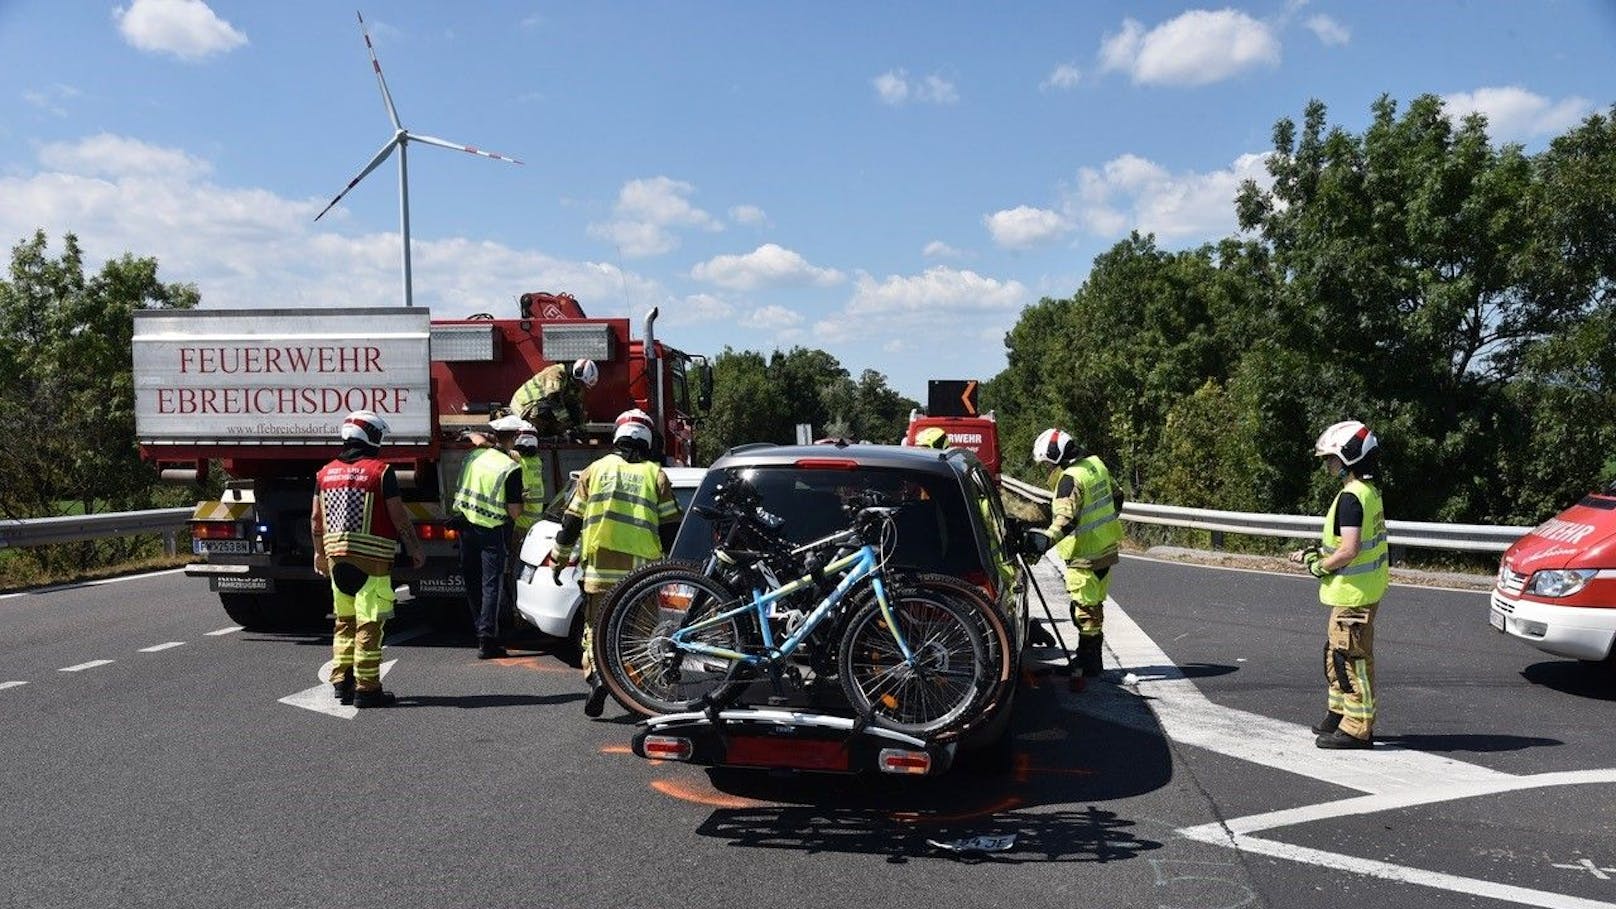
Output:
(687, 793)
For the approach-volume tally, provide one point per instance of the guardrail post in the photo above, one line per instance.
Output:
(1396, 554)
(171, 543)
(1217, 539)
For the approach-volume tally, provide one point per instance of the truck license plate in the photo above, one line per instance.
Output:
(1496, 619)
(235, 547)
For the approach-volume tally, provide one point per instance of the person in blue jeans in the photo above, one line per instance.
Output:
(488, 497)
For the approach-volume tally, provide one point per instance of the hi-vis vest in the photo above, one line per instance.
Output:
(357, 527)
(532, 492)
(1364, 580)
(480, 495)
(1095, 530)
(621, 512)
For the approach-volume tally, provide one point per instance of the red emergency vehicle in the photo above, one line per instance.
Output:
(951, 405)
(261, 394)
(1556, 587)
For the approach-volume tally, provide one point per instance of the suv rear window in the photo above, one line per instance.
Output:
(935, 527)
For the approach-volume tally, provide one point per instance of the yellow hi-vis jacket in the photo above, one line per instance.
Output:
(1364, 580)
(621, 513)
(532, 492)
(1084, 525)
(480, 494)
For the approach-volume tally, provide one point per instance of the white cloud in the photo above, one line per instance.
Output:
(1065, 76)
(1328, 30)
(187, 29)
(1024, 227)
(749, 215)
(1195, 48)
(770, 265)
(245, 246)
(696, 308)
(1130, 192)
(648, 213)
(895, 87)
(921, 305)
(771, 318)
(107, 155)
(51, 99)
(937, 249)
(1514, 114)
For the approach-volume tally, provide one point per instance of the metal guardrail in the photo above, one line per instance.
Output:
(75, 528)
(1412, 534)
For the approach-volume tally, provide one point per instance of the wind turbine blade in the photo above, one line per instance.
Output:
(374, 163)
(454, 146)
(377, 66)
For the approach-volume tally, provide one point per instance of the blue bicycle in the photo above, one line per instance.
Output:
(909, 656)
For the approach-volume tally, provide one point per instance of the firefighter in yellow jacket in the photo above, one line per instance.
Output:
(621, 515)
(1354, 570)
(553, 400)
(358, 519)
(1085, 531)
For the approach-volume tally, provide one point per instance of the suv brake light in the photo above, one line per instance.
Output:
(827, 464)
(668, 748)
(902, 760)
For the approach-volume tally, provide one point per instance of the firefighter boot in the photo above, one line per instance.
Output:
(343, 691)
(1340, 740)
(1330, 723)
(595, 705)
(374, 698)
(1088, 654)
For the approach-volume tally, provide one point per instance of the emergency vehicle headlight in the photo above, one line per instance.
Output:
(1560, 582)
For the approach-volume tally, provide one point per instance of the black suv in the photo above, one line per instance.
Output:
(953, 524)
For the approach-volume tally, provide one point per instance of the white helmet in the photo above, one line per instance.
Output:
(634, 426)
(1053, 446)
(586, 372)
(1349, 440)
(363, 426)
(509, 423)
(527, 437)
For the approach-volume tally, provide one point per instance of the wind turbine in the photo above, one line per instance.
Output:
(401, 139)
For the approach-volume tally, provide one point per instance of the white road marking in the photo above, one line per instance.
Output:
(319, 699)
(83, 666)
(165, 646)
(97, 583)
(230, 630)
(1394, 778)
(5, 685)
(1589, 866)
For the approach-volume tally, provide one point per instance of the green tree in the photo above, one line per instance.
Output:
(747, 405)
(66, 385)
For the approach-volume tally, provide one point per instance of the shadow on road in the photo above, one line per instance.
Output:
(1062, 758)
(474, 701)
(1475, 743)
(1585, 680)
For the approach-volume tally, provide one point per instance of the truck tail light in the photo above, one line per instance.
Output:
(432, 531)
(902, 760)
(668, 748)
(216, 530)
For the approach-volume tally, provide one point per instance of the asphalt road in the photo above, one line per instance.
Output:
(179, 777)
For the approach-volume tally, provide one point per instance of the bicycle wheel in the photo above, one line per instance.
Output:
(950, 672)
(634, 651)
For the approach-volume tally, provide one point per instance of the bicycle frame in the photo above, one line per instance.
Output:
(863, 563)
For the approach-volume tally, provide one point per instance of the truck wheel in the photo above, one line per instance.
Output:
(245, 609)
(295, 607)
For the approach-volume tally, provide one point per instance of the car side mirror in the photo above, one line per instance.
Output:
(1032, 543)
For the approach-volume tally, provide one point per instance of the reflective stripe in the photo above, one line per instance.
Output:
(620, 518)
(480, 494)
(1097, 537)
(620, 504)
(623, 496)
(1364, 568)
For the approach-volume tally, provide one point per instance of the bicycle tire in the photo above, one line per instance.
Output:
(631, 646)
(953, 671)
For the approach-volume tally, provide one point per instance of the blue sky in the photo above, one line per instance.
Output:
(890, 182)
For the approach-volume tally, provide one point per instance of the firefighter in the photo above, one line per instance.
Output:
(1084, 531)
(488, 499)
(359, 520)
(553, 400)
(1353, 568)
(932, 437)
(622, 509)
(525, 449)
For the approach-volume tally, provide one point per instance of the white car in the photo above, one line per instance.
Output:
(553, 608)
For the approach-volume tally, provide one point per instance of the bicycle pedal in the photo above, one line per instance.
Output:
(778, 700)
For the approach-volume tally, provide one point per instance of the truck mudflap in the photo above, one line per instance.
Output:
(780, 739)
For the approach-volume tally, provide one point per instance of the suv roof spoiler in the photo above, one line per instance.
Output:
(751, 446)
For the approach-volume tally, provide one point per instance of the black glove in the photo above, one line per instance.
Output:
(555, 571)
(1034, 542)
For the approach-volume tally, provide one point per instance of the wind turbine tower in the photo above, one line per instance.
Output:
(400, 140)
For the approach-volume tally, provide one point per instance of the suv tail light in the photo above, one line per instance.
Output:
(902, 760)
(668, 748)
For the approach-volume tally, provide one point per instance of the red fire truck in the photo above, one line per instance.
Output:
(260, 394)
(951, 405)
